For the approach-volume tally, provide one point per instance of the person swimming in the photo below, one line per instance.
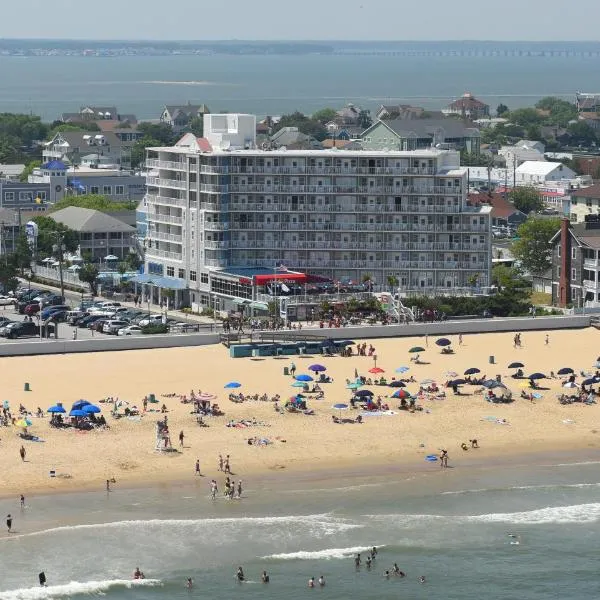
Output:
(422, 579)
(189, 583)
(264, 577)
(240, 574)
(387, 574)
(373, 553)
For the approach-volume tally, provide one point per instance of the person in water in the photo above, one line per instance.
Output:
(322, 581)
(357, 561)
(387, 574)
(240, 574)
(373, 553)
(42, 578)
(422, 579)
(311, 582)
(368, 562)
(264, 577)
(189, 583)
(137, 574)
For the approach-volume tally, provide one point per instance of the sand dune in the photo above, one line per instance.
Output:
(127, 453)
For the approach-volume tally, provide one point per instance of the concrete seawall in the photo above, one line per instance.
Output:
(107, 344)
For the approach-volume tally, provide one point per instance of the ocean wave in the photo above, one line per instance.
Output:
(75, 587)
(555, 486)
(577, 513)
(324, 523)
(327, 554)
(191, 83)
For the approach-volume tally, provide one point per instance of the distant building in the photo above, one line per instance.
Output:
(468, 107)
(587, 103)
(11, 172)
(418, 134)
(490, 122)
(523, 151)
(504, 213)
(99, 233)
(10, 224)
(180, 116)
(399, 111)
(536, 172)
(293, 138)
(584, 202)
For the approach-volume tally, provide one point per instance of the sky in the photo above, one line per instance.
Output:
(529, 20)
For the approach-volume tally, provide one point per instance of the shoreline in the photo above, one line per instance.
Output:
(341, 473)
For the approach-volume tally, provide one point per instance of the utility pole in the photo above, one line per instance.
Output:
(59, 248)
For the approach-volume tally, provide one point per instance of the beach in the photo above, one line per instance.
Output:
(297, 444)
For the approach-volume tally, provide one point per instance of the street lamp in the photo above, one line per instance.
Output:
(58, 249)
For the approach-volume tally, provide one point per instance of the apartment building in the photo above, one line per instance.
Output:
(221, 210)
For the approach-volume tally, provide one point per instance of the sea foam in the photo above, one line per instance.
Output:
(327, 554)
(75, 587)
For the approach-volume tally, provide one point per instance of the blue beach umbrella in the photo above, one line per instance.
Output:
(232, 384)
(516, 365)
(298, 384)
(303, 377)
(56, 409)
(443, 342)
(397, 383)
(77, 413)
(354, 386)
(317, 368)
(472, 371)
(402, 369)
(364, 393)
(91, 408)
(590, 381)
(79, 404)
(537, 376)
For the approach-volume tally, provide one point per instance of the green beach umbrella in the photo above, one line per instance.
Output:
(416, 349)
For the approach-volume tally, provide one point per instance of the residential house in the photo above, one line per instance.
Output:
(504, 213)
(584, 202)
(349, 115)
(180, 116)
(523, 151)
(10, 225)
(293, 138)
(99, 234)
(399, 111)
(576, 263)
(417, 134)
(70, 146)
(587, 103)
(468, 107)
(533, 172)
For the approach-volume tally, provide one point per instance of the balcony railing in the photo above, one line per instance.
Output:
(164, 254)
(168, 183)
(165, 164)
(165, 200)
(162, 218)
(165, 237)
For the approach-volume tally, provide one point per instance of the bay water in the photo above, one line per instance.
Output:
(274, 85)
(458, 529)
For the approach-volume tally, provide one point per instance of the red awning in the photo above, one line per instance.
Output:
(291, 277)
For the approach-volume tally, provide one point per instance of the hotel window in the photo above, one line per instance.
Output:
(181, 273)
(192, 275)
(119, 190)
(107, 190)
(42, 196)
(573, 253)
(573, 273)
(170, 271)
(26, 196)
(203, 277)
(9, 196)
(94, 189)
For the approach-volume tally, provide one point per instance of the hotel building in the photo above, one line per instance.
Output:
(224, 214)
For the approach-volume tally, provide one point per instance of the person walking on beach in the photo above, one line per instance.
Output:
(220, 462)
(227, 467)
(239, 489)
(547, 340)
(213, 489)
(293, 369)
(22, 501)
(198, 467)
(23, 453)
(9, 523)
(108, 485)
(460, 339)
(444, 459)
(181, 436)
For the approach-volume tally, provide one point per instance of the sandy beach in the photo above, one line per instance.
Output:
(298, 443)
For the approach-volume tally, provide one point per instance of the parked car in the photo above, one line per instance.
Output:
(106, 305)
(112, 327)
(33, 308)
(52, 300)
(5, 321)
(22, 329)
(6, 300)
(130, 330)
(87, 321)
(59, 316)
(47, 312)
(98, 324)
(150, 320)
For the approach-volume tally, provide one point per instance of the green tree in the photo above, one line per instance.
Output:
(469, 159)
(22, 253)
(501, 110)
(526, 199)
(89, 274)
(197, 126)
(158, 131)
(581, 134)
(364, 119)
(512, 298)
(28, 170)
(304, 124)
(49, 233)
(59, 127)
(525, 117)
(532, 248)
(561, 111)
(324, 116)
(133, 262)
(392, 282)
(138, 150)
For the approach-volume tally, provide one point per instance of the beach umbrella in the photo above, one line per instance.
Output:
(443, 342)
(451, 374)
(56, 409)
(516, 365)
(402, 369)
(565, 371)
(416, 349)
(456, 382)
(354, 386)
(590, 381)
(232, 385)
(206, 396)
(364, 393)
(376, 370)
(570, 385)
(317, 368)
(401, 394)
(340, 407)
(91, 408)
(298, 384)
(77, 413)
(303, 377)
(537, 376)
(537, 396)
(491, 384)
(397, 383)
(23, 423)
(472, 371)
(79, 404)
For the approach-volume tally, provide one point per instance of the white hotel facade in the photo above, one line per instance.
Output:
(220, 208)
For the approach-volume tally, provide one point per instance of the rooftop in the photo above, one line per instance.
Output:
(88, 220)
(537, 167)
(589, 192)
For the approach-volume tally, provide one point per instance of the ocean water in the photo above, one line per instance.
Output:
(449, 526)
(278, 84)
